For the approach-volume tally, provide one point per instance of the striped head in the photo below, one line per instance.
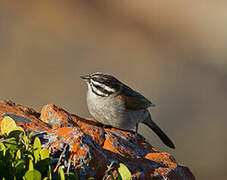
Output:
(102, 84)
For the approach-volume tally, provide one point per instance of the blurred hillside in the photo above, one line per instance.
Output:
(172, 52)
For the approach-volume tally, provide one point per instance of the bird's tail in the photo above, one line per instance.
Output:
(151, 124)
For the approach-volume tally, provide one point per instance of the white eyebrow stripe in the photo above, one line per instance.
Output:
(107, 88)
(100, 93)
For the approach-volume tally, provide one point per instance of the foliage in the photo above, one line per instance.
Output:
(22, 157)
(123, 173)
(19, 158)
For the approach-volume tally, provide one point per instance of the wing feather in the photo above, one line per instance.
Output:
(134, 100)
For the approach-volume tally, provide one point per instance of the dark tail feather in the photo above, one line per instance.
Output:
(159, 132)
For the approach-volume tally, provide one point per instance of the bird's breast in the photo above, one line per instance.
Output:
(111, 111)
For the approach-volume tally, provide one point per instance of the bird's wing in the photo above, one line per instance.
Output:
(134, 100)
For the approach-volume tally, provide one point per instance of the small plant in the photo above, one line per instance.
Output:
(123, 172)
(22, 158)
(19, 158)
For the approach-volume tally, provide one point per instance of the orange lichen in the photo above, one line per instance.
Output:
(162, 158)
(109, 146)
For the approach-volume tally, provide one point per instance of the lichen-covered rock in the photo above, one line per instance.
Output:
(88, 147)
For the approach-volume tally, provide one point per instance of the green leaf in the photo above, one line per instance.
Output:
(32, 175)
(124, 172)
(37, 146)
(43, 162)
(17, 128)
(49, 173)
(18, 154)
(20, 163)
(44, 154)
(15, 132)
(31, 167)
(2, 151)
(30, 157)
(7, 125)
(61, 173)
(31, 134)
(24, 140)
(119, 176)
(12, 144)
(2, 147)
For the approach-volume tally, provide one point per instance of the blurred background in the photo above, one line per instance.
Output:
(173, 52)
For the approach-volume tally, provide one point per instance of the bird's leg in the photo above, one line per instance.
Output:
(134, 138)
(136, 133)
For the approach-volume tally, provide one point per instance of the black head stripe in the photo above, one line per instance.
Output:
(98, 90)
(104, 84)
(108, 81)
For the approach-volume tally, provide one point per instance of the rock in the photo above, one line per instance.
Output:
(88, 147)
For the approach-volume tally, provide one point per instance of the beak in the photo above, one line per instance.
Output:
(85, 77)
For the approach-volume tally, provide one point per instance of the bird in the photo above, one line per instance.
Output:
(115, 104)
